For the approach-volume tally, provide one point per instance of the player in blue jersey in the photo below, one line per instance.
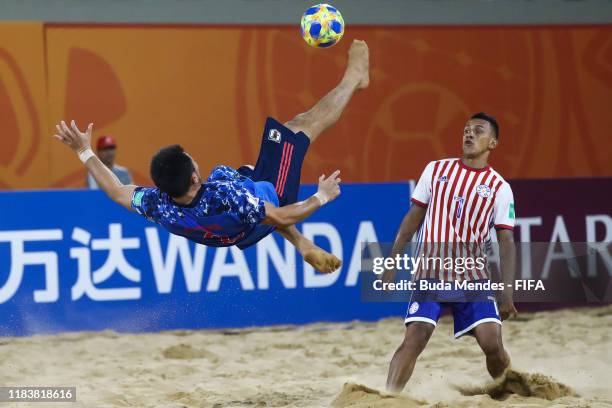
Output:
(237, 207)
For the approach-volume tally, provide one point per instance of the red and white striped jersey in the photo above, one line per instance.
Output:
(463, 204)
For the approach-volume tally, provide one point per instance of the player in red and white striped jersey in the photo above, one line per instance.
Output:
(456, 203)
(462, 204)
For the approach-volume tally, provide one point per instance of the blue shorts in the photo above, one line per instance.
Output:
(466, 315)
(280, 160)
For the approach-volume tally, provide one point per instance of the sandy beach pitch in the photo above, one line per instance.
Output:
(561, 359)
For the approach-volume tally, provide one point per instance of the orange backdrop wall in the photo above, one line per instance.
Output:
(211, 88)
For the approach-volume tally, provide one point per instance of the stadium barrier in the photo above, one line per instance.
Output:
(73, 260)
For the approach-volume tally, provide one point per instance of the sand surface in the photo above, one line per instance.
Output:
(561, 359)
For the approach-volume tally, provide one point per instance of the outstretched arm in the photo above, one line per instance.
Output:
(319, 259)
(329, 189)
(80, 143)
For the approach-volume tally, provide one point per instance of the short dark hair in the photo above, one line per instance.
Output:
(492, 121)
(171, 170)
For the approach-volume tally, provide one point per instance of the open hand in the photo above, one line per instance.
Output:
(73, 137)
(329, 187)
(507, 308)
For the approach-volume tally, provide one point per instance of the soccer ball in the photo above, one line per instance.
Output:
(322, 26)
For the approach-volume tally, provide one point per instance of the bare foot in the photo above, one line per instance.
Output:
(321, 260)
(358, 64)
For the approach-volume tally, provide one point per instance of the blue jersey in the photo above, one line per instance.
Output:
(228, 210)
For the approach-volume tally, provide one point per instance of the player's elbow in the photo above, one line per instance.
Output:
(404, 234)
(120, 197)
(119, 200)
(281, 222)
(506, 243)
(278, 218)
(505, 236)
(112, 195)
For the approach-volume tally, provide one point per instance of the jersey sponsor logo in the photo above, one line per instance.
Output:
(413, 308)
(442, 179)
(511, 211)
(137, 200)
(483, 190)
(274, 136)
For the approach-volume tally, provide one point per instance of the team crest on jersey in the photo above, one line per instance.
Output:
(483, 190)
(413, 308)
(442, 179)
(274, 136)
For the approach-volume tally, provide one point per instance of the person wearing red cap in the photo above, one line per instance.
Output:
(107, 151)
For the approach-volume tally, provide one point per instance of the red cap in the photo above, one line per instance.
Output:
(106, 141)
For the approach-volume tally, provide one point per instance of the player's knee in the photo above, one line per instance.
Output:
(416, 337)
(304, 122)
(300, 120)
(492, 347)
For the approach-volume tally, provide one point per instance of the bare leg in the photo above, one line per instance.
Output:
(402, 364)
(328, 110)
(489, 339)
(321, 260)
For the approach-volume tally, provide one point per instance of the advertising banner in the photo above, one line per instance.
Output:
(74, 260)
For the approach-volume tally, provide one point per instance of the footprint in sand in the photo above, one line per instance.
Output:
(524, 384)
(186, 352)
